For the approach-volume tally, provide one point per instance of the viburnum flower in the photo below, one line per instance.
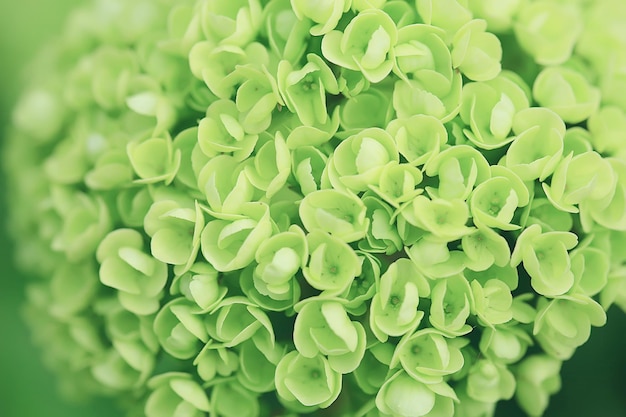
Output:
(266, 208)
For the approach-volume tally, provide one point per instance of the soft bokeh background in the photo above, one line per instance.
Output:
(594, 382)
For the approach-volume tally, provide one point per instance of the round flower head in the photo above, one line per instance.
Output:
(381, 208)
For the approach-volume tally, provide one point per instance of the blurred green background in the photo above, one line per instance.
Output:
(594, 382)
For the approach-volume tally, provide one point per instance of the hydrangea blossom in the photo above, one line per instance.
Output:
(271, 207)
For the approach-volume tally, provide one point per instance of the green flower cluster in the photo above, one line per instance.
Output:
(257, 208)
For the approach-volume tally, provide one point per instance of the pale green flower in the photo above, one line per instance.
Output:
(221, 131)
(341, 214)
(175, 232)
(615, 290)
(401, 13)
(418, 138)
(476, 52)
(235, 320)
(452, 301)
(604, 126)
(358, 160)
(286, 33)
(279, 258)
(231, 399)
(489, 108)
(494, 202)
(393, 311)
(214, 360)
(199, 283)
(382, 236)
(460, 168)
(125, 266)
(365, 108)
(179, 329)
(371, 373)
(403, 396)
(131, 360)
(323, 326)
(485, 248)
(505, 273)
(490, 381)
(365, 45)
(549, 217)
(132, 205)
(307, 381)
(493, 302)
(332, 264)
(538, 145)
(444, 219)
(505, 343)
(44, 106)
(428, 356)
(305, 90)
(422, 54)
(567, 92)
(258, 367)
(85, 224)
(217, 65)
(545, 258)
(591, 269)
(231, 244)
(363, 286)
(73, 286)
(499, 14)
(269, 169)
(307, 165)
(154, 160)
(579, 178)
(176, 393)
(256, 98)
(326, 13)
(449, 15)
(537, 379)
(225, 184)
(564, 323)
(548, 30)
(412, 97)
(233, 23)
(608, 212)
(434, 259)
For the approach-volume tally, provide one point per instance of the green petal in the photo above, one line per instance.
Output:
(340, 214)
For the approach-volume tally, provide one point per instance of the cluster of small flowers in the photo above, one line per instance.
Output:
(253, 208)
